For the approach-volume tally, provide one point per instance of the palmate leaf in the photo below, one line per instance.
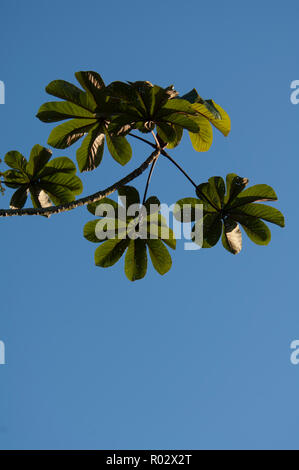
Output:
(46, 180)
(225, 213)
(89, 112)
(121, 107)
(116, 235)
(150, 106)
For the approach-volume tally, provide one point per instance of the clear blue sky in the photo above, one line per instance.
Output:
(199, 358)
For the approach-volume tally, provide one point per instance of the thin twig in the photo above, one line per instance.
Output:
(143, 140)
(149, 178)
(165, 154)
(152, 168)
(179, 167)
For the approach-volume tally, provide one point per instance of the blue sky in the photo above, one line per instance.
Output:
(199, 358)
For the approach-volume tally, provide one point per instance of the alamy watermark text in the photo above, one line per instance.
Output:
(2, 92)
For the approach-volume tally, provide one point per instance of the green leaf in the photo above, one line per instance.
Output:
(203, 138)
(234, 186)
(166, 132)
(69, 92)
(181, 120)
(103, 202)
(69, 132)
(39, 157)
(259, 192)
(135, 94)
(157, 228)
(14, 178)
(146, 96)
(130, 193)
(123, 91)
(208, 109)
(58, 165)
(93, 83)
(89, 231)
(136, 260)
(179, 105)
(160, 257)
(58, 194)
(178, 137)
(207, 192)
(109, 252)
(218, 187)
(90, 154)
(192, 96)
(15, 160)
(212, 111)
(261, 211)
(113, 228)
(256, 230)
(152, 205)
(59, 110)
(187, 209)
(119, 148)
(19, 198)
(71, 182)
(211, 225)
(161, 97)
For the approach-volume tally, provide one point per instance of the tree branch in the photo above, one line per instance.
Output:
(151, 169)
(85, 200)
